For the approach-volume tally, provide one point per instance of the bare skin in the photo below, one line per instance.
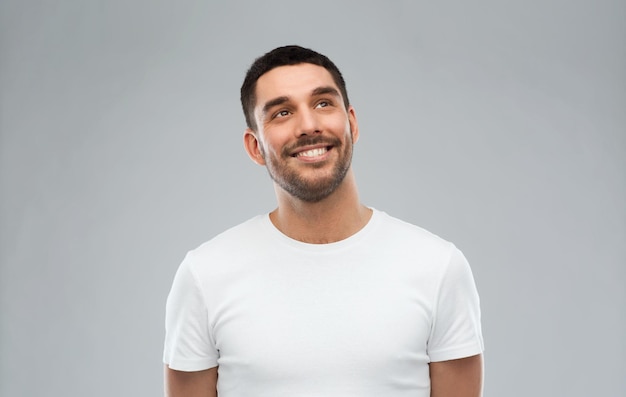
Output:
(457, 378)
(323, 223)
(191, 384)
(289, 109)
(339, 215)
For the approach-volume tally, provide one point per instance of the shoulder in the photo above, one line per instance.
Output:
(231, 238)
(395, 231)
(230, 246)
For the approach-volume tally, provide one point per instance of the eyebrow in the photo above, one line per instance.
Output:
(316, 92)
(325, 90)
(274, 102)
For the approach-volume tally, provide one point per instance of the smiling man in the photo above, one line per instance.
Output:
(313, 166)
(323, 296)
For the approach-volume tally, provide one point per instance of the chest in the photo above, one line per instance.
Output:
(339, 324)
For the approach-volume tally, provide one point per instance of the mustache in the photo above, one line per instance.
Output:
(310, 141)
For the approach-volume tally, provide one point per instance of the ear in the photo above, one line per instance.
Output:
(354, 124)
(252, 145)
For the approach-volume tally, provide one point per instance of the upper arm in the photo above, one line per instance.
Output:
(456, 329)
(191, 384)
(457, 378)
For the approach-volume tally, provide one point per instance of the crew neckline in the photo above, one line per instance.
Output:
(326, 247)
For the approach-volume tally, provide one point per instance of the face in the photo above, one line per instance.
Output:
(305, 134)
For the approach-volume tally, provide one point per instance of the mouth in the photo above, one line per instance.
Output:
(312, 153)
(312, 150)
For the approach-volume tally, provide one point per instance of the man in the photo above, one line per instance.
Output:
(323, 296)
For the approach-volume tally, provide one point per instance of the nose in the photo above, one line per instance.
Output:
(308, 123)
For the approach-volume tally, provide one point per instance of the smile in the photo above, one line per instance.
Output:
(313, 152)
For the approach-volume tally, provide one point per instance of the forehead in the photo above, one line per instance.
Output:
(292, 81)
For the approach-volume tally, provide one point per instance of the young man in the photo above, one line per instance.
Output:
(323, 296)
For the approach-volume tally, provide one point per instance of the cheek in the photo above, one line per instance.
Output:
(342, 124)
(276, 138)
(272, 148)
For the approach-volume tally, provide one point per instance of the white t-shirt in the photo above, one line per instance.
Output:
(360, 317)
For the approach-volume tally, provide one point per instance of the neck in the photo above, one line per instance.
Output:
(332, 219)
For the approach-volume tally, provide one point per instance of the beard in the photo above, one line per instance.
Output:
(310, 190)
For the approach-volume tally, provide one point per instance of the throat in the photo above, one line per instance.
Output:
(322, 227)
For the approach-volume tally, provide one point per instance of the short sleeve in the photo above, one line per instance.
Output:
(456, 330)
(189, 345)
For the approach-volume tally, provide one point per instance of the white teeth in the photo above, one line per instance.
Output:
(313, 152)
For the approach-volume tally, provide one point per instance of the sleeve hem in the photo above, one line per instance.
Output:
(456, 353)
(191, 365)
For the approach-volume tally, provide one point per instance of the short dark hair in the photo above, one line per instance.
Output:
(283, 56)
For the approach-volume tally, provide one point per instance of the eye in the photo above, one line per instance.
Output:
(322, 104)
(282, 113)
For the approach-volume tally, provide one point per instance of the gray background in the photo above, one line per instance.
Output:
(499, 125)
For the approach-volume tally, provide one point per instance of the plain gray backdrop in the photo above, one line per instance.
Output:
(498, 125)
